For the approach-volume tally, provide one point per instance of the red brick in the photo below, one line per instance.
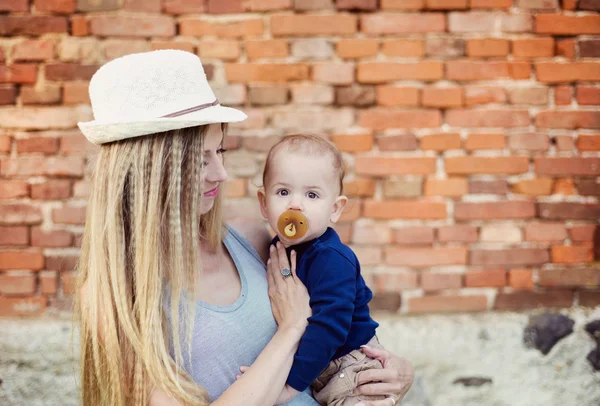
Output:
(588, 187)
(69, 215)
(46, 94)
(572, 254)
(509, 256)
(403, 47)
(488, 187)
(256, 72)
(8, 94)
(545, 232)
(313, 24)
(531, 300)
(589, 298)
(367, 5)
(402, 188)
(17, 284)
(402, 4)
(589, 5)
(268, 95)
(271, 48)
(555, 72)
(471, 22)
(353, 143)
(587, 95)
(567, 119)
(225, 6)
(589, 48)
(418, 235)
(564, 187)
(562, 95)
(384, 166)
(44, 145)
(76, 93)
(394, 282)
(390, 209)
(360, 96)
(116, 48)
(404, 142)
(458, 233)
(520, 279)
(440, 141)
(55, 6)
(33, 260)
(533, 187)
(503, 4)
(184, 46)
(18, 73)
(344, 230)
(17, 214)
(444, 46)
(381, 119)
(453, 187)
(485, 278)
(195, 27)
(533, 47)
(528, 95)
(268, 5)
(494, 210)
(392, 96)
(529, 142)
(432, 281)
(48, 282)
(424, 257)
(381, 72)
(357, 48)
(14, 236)
(573, 211)
(480, 141)
(13, 25)
(386, 24)
(389, 302)
(228, 50)
(564, 143)
(483, 164)
(583, 232)
(371, 233)
(146, 6)
(52, 189)
(566, 48)
(359, 188)
(61, 263)
(11, 189)
(567, 24)
(15, 5)
(184, 6)
(582, 166)
(588, 142)
(333, 73)
(22, 306)
(442, 97)
(447, 304)
(79, 26)
(37, 165)
(312, 94)
(52, 238)
(68, 281)
(487, 47)
(126, 26)
(586, 277)
(505, 118)
(463, 70)
(70, 71)
(33, 50)
(475, 95)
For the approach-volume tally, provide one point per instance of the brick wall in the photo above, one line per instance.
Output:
(471, 130)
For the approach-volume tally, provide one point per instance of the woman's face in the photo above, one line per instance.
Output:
(213, 172)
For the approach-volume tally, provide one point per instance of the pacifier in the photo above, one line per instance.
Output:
(292, 224)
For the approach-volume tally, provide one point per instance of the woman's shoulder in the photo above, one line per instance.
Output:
(255, 232)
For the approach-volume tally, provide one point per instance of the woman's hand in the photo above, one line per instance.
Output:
(394, 380)
(288, 295)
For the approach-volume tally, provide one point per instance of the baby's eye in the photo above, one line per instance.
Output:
(312, 195)
(282, 192)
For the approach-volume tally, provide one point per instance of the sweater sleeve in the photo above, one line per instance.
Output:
(331, 283)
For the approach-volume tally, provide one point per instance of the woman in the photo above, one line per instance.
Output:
(171, 301)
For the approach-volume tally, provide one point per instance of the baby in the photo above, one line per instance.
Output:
(301, 195)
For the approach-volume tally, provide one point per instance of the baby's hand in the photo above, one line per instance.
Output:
(287, 393)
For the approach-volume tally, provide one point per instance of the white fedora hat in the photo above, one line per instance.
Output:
(151, 92)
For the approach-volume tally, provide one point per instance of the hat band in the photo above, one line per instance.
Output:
(192, 109)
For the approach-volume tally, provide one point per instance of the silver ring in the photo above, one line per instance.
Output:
(285, 272)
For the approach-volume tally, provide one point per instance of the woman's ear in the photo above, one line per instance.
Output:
(262, 200)
(338, 208)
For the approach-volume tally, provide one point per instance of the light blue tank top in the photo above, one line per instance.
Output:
(227, 337)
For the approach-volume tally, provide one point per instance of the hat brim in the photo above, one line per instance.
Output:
(101, 133)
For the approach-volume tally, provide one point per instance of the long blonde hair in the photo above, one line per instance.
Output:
(141, 238)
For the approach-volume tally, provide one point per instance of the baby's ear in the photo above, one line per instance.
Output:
(262, 200)
(338, 208)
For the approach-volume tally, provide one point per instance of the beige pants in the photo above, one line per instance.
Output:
(335, 384)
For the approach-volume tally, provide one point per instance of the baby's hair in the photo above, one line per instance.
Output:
(308, 144)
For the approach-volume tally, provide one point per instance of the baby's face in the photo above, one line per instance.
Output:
(304, 183)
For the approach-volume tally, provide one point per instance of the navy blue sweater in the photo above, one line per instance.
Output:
(339, 298)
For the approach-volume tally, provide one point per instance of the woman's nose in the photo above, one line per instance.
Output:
(216, 172)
